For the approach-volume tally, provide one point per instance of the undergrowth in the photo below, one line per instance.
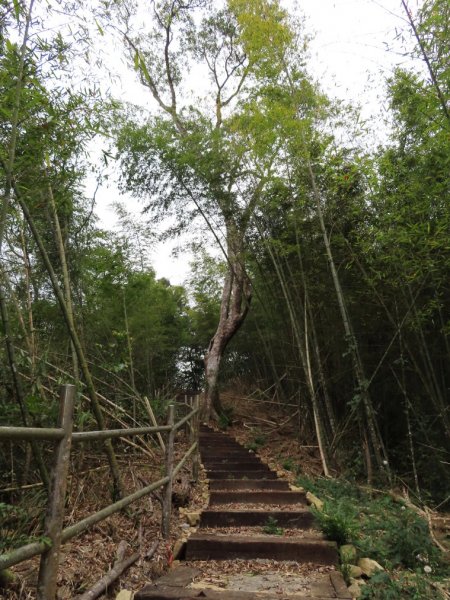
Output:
(259, 440)
(385, 530)
(18, 524)
(271, 527)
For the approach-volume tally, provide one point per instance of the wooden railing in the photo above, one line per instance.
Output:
(54, 533)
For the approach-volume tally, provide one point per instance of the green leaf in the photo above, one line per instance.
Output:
(144, 69)
(16, 9)
(100, 30)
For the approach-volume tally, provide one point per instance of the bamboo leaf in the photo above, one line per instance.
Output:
(16, 9)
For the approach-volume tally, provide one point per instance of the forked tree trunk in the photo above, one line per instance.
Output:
(236, 297)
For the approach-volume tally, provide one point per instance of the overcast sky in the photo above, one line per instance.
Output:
(354, 48)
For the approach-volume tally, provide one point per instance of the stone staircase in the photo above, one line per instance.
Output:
(247, 497)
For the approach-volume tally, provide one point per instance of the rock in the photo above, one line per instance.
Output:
(357, 580)
(354, 571)
(280, 473)
(296, 488)
(314, 501)
(348, 553)
(193, 518)
(369, 567)
(355, 590)
(178, 547)
(124, 595)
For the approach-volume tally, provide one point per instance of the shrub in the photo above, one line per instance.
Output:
(288, 464)
(271, 527)
(412, 586)
(225, 418)
(337, 521)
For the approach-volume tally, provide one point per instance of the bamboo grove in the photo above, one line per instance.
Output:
(329, 283)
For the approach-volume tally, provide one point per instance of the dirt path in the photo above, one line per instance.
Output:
(255, 540)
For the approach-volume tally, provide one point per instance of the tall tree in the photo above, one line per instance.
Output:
(209, 158)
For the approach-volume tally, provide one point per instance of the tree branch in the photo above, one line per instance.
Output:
(427, 61)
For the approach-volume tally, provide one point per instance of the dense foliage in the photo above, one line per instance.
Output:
(342, 253)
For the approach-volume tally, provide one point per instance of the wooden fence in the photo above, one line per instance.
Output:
(54, 533)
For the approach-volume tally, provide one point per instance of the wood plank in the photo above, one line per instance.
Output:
(248, 484)
(223, 474)
(258, 497)
(155, 592)
(300, 519)
(207, 547)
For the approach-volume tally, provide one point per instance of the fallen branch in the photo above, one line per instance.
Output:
(121, 565)
(430, 529)
(151, 414)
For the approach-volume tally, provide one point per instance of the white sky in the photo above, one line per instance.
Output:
(353, 50)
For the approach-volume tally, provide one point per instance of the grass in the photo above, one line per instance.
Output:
(271, 527)
(385, 530)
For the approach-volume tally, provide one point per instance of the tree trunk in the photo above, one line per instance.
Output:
(236, 298)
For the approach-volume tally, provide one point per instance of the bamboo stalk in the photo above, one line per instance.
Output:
(153, 420)
(31, 433)
(167, 495)
(195, 432)
(48, 569)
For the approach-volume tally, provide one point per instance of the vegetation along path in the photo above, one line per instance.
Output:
(255, 539)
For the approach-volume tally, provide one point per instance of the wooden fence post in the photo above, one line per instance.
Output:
(196, 438)
(167, 494)
(48, 569)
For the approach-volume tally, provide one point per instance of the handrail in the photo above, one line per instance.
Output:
(31, 433)
(185, 419)
(53, 434)
(14, 557)
(180, 465)
(105, 434)
(43, 546)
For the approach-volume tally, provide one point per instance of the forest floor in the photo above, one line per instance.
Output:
(268, 429)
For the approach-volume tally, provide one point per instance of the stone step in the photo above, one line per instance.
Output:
(215, 461)
(248, 484)
(213, 547)
(152, 592)
(210, 438)
(262, 497)
(289, 519)
(225, 451)
(221, 449)
(236, 466)
(221, 474)
(224, 442)
(178, 583)
(235, 456)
